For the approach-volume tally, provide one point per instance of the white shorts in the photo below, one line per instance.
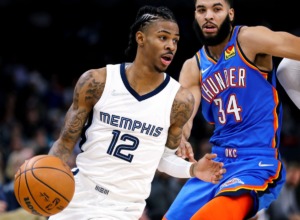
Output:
(90, 204)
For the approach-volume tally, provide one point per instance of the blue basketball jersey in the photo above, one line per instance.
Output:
(243, 104)
(239, 99)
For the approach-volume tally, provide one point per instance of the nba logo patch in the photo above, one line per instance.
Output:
(229, 52)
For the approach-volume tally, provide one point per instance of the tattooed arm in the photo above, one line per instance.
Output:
(205, 169)
(87, 92)
(181, 112)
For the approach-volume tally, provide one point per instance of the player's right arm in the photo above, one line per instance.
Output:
(87, 92)
(189, 78)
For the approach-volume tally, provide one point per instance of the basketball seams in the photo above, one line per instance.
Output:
(28, 188)
(70, 174)
(45, 184)
(54, 168)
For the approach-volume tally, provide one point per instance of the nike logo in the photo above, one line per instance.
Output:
(265, 164)
(203, 71)
(115, 93)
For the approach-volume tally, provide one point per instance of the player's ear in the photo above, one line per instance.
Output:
(140, 38)
(231, 14)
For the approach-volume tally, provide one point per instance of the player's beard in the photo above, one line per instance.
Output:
(223, 32)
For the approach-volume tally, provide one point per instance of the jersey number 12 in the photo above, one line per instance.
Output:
(116, 150)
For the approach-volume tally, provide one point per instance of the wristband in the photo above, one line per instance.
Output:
(175, 166)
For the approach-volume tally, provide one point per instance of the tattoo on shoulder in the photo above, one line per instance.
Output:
(95, 90)
(90, 87)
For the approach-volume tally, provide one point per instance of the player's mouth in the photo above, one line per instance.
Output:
(209, 28)
(167, 59)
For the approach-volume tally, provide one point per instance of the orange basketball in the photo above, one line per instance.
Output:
(44, 185)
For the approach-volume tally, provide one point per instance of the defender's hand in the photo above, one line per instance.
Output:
(207, 169)
(185, 151)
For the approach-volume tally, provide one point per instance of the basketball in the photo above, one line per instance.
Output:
(44, 185)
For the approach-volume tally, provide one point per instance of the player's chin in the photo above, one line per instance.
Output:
(162, 68)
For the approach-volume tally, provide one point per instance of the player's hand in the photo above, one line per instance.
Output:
(209, 170)
(185, 151)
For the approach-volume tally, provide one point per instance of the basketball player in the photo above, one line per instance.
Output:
(130, 117)
(233, 75)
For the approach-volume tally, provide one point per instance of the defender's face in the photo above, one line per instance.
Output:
(160, 43)
(210, 15)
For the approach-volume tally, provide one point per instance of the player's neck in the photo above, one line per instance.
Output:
(142, 80)
(216, 51)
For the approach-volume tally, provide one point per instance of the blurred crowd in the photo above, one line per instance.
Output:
(43, 52)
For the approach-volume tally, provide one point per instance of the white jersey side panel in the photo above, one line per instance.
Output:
(126, 135)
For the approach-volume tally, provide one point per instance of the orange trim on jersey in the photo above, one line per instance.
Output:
(276, 100)
(198, 57)
(208, 57)
(200, 79)
(264, 74)
(275, 94)
(256, 188)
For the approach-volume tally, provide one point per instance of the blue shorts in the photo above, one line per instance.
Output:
(256, 171)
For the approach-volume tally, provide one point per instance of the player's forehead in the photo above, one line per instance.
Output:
(164, 26)
(210, 2)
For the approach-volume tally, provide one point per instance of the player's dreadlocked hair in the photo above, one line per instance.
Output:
(145, 16)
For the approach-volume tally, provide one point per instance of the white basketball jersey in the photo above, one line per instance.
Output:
(125, 136)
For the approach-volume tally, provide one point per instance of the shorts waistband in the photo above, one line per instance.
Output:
(231, 152)
(92, 185)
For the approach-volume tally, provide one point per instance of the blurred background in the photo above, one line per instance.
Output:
(46, 45)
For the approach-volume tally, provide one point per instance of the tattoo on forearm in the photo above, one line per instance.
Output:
(74, 124)
(173, 140)
(61, 151)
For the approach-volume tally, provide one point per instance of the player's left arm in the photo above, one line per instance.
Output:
(258, 40)
(189, 78)
(288, 74)
(182, 110)
(205, 169)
